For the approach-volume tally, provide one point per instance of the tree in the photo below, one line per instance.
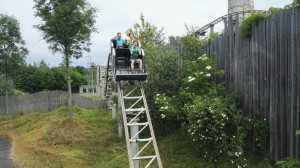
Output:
(162, 64)
(66, 26)
(12, 51)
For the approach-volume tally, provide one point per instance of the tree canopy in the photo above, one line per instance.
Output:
(66, 26)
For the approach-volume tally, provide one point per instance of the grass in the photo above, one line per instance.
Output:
(93, 96)
(48, 139)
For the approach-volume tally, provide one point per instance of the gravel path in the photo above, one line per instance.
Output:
(4, 153)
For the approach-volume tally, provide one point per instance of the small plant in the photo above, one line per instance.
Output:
(246, 26)
(260, 128)
(288, 163)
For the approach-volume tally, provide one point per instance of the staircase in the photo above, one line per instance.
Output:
(140, 139)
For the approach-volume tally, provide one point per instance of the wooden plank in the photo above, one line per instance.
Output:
(283, 68)
(292, 75)
(273, 90)
(226, 61)
(298, 82)
(230, 64)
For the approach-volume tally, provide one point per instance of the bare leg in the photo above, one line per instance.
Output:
(132, 65)
(141, 64)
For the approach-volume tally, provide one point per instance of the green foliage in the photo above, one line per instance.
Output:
(67, 27)
(12, 51)
(39, 77)
(212, 36)
(215, 124)
(6, 85)
(272, 10)
(288, 163)
(298, 132)
(260, 129)
(149, 35)
(162, 65)
(190, 47)
(295, 3)
(252, 20)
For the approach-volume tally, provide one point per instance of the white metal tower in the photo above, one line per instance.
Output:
(240, 5)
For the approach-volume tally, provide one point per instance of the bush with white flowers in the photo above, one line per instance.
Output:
(214, 122)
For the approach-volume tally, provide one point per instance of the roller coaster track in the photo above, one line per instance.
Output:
(203, 29)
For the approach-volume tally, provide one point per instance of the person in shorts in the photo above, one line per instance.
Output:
(135, 52)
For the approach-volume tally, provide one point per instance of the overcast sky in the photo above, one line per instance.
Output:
(119, 15)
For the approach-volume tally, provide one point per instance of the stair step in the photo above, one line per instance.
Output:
(141, 140)
(138, 124)
(135, 110)
(135, 97)
(144, 157)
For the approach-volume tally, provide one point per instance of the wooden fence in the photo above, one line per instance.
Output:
(264, 71)
(45, 101)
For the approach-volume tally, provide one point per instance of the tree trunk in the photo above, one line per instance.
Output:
(69, 94)
(6, 101)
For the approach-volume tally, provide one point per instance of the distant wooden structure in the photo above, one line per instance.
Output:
(264, 71)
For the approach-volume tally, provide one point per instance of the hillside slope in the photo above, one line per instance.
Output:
(48, 139)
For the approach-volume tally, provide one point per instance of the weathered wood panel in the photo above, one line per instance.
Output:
(264, 71)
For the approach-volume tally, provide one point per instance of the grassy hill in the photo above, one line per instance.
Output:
(48, 139)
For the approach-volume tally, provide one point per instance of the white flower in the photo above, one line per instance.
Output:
(166, 107)
(265, 119)
(208, 75)
(249, 119)
(199, 58)
(163, 115)
(204, 58)
(157, 94)
(239, 167)
(165, 98)
(208, 67)
(191, 79)
(201, 72)
(204, 55)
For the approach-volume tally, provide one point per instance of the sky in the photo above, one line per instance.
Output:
(118, 16)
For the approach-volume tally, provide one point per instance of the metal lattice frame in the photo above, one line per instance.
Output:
(220, 19)
(131, 98)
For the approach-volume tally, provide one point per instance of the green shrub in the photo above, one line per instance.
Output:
(246, 26)
(288, 163)
(211, 116)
